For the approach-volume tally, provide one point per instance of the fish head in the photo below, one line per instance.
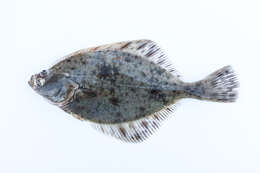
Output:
(54, 87)
(37, 81)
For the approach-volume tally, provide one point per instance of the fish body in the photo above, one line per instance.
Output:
(126, 89)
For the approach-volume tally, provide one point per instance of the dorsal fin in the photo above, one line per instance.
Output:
(144, 48)
(138, 130)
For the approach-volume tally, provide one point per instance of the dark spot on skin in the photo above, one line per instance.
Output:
(58, 92)
(90, 94)
(136, 57)
(112, 80)
(112, 91)
(142, 109)
(232, 95)
(214, 95)
(93, 72)
(128, 59)
(77, 100)
(114, 101)
(154, 91)
(143, 74)
(160, 71)
(75, 60)
(84, 83)
(213, 83)
(156, 95)
(79, 107)
(102, 90)
(163, 98)
(174, 93)
(118, 114)
(151, 71)
(198, 85)
(132, 89)
(107, 71)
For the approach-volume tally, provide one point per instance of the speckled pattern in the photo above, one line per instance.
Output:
(126, 88)
(115, 87)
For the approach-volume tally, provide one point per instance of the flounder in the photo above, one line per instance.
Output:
(126, 89)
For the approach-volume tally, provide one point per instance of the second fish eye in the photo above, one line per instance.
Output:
(43, 73)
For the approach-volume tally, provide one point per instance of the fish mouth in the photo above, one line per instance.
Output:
(31, 82)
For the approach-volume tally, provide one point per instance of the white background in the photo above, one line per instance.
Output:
(199, 37)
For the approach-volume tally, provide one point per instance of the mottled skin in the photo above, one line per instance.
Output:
(127, 88)
(116, 87)
(112, 86)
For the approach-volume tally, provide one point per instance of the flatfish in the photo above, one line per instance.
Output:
(126, 89)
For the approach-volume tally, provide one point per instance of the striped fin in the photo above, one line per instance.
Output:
(144, 48)
(138, 130)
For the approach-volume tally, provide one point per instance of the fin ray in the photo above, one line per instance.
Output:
(220, 86)
(144, 48)
(138, 130)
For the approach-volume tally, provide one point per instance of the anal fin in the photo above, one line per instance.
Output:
(138, 130)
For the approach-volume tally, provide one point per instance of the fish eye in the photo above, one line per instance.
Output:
(40, 82)
(43, 73)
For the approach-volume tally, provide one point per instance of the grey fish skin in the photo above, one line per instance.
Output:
(120, 84)
(119, 87)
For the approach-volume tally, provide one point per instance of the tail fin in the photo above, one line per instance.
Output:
(219, 86)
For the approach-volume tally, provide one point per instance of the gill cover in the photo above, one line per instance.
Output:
(56, 88)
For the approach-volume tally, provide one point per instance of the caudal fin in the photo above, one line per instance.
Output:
(218, 86)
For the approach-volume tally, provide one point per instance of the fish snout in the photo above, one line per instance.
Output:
(32, 82)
